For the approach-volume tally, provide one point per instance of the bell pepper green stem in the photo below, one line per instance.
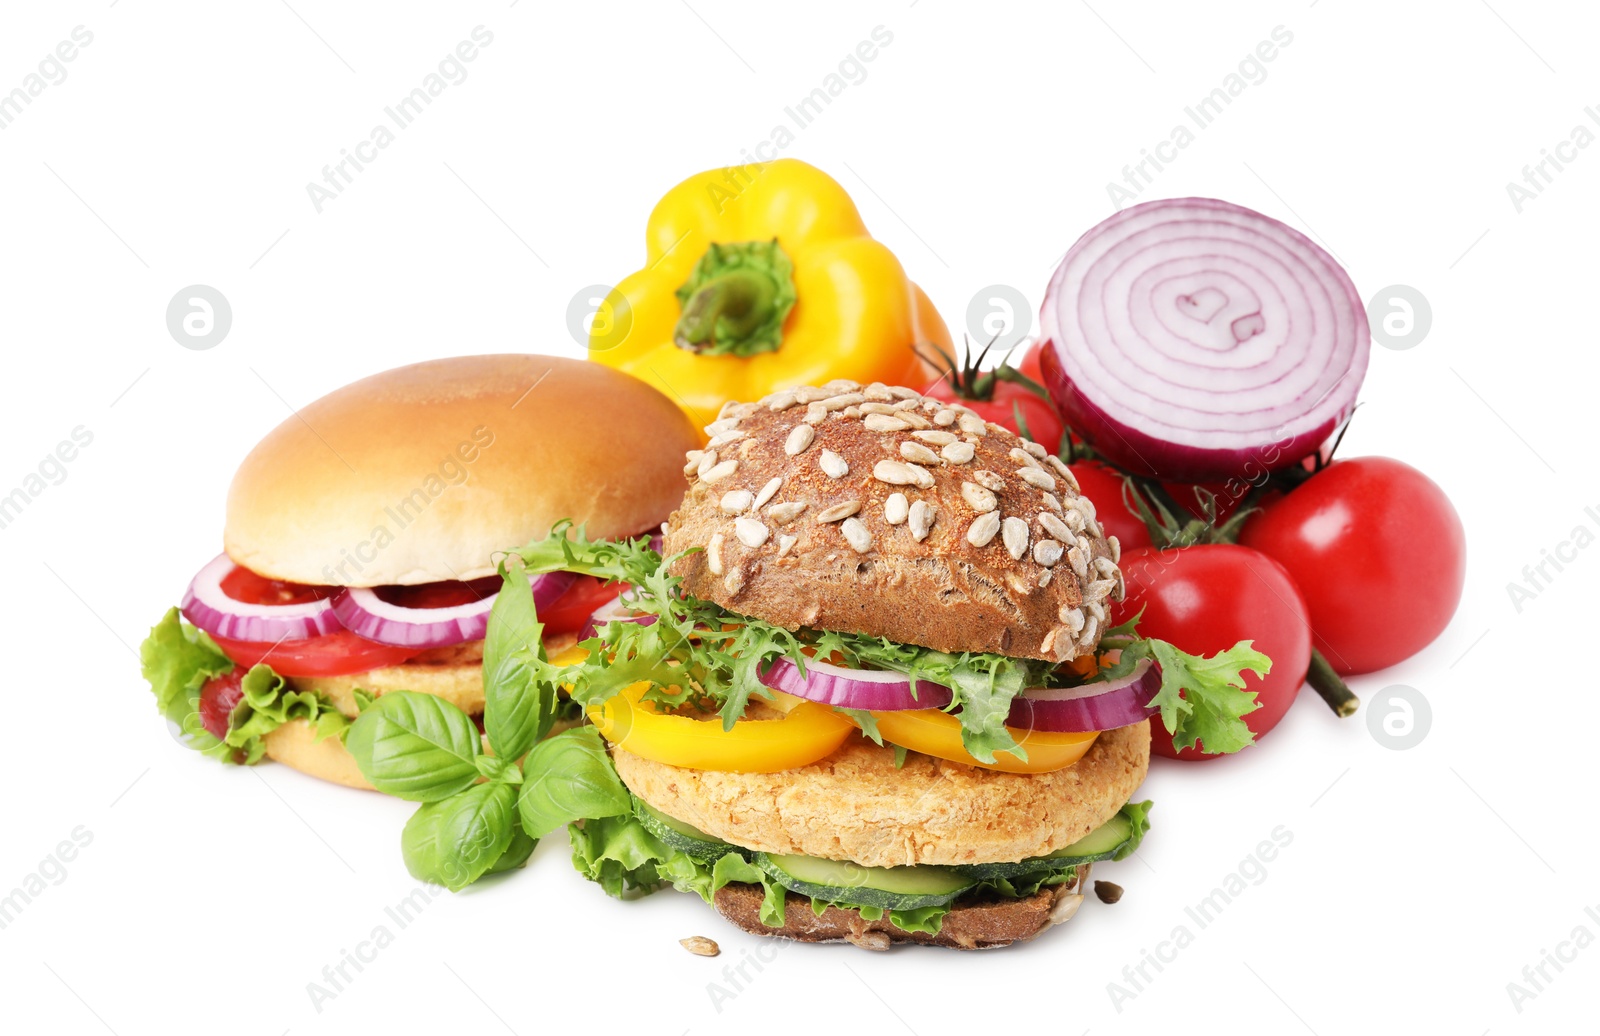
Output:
(731, 305)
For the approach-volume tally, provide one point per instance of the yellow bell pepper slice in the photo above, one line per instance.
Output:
(937, 733)
(759, 278)
(808, 731)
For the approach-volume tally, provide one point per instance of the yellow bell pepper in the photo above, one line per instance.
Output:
(938, 734)
(807, 732)
(759, 278)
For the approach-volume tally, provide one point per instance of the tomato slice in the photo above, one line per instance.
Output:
(339, 653)
(937, 733)
(808, 731)
(247, 587)
(448, 594)
(570, 612)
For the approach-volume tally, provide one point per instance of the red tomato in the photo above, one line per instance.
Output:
(219, 696)
(1207, 598)
(1103, 488)
(448, 594)
(1044, 423)
(339, 653)
(247, 587)
(1379, 553)
(570, 612)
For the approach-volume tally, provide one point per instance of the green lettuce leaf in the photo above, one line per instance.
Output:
(176, 660)
(1201, 699)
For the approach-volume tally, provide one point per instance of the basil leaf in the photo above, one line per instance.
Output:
(518, 709)
(517, 853)
(569, 777)
(454, 841)
(498, 769)
(415, 746)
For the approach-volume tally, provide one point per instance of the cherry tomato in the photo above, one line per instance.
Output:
(1103, 487)
(570, 612)
(219, 696)
(1378, 552)
(339, 653)
(1207, 598)
(1044, 423)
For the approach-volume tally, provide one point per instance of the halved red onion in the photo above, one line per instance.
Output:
(1092, 706)
(365, 614)
(836, 685)
(209, 608)
(615, 610)
(1194, 339)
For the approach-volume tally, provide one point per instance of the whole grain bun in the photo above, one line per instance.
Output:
(857, 805)
(882, 512)
(422, 473)
(973, 923)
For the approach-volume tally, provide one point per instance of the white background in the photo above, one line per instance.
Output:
(1418, 883)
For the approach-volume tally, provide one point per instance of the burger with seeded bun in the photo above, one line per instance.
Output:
(361, 538)
(867, 689)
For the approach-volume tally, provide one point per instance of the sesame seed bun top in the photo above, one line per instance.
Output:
(876, 510)
(422, 473)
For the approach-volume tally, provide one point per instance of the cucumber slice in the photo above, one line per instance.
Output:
(1103, 843)
(685, 838)
(850, 884)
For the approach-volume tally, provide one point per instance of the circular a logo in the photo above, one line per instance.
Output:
(1399, 717)
(1400, 317)
(199, 317)
(599, 318)
(1001, 314)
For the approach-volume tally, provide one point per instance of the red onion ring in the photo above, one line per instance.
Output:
(614, 610)
(1193, 339)
(365, 614)
(874, 689)
(209, 608)
(1091, 706)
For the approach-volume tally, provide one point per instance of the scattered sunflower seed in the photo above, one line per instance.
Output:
(714, 554)
(1038, 478)
(786, 544)
(914, 419)
(945, 418)
(1116, 548)
(972, 424)
(1071, 617)
(917, 452)
(983, 528)
(1044, 579)
(1022, 457)
(767, 493)
(1047, 552)
(901, 392)
(809, 394)
(851, 412)
(958, 452)
(1105, 566)
(922, 515)
(1035, 449)
(833, 465)
(816, 413)
(708, 460)
(842, 385)
(1014, 534)
(692, 461)
(878, 392)
(1079, 562)
(900, 473)
(700, 946)
(726, 424)
(1098, 590)
(856, 534)
(884, 423)
(895, 509)
(736, 501)
(800, 437)
(937, 437)
(1091, 631)
(750, 532)
(1108, 891)
(1055, 526)
(720, 471)
(978, 498)
(877, 408)
(1053, 502)
(839, 402)
(988, 480)
(843, 509)
(785, 513)
(781, 400)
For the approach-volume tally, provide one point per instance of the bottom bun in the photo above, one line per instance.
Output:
(974, 923)
(292, 745)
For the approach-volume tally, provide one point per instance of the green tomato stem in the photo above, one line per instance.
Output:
(729, 306)
(1331, 686)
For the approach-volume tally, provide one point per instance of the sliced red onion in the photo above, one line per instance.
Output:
(209, 608)
(615, 610)
(844, 688)
(1193, 339)
(1092, 706)
(367, 615)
